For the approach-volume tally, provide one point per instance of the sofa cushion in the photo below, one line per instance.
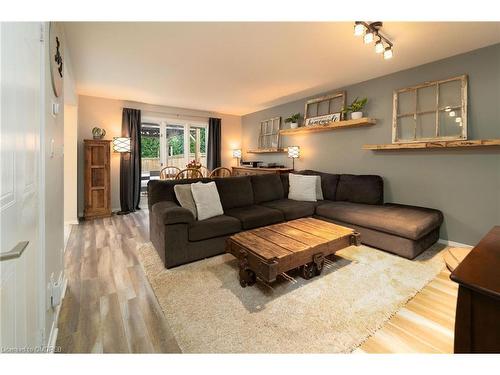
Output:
(292, 209)
(329, 182)
(367, 189)
(285, 183)
(267, 187)
(217, 226)
(406, 221)
(256, 216)
(235, 191)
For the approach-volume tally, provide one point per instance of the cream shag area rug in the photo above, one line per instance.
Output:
(209, 312)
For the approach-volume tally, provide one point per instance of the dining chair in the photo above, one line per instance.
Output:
(188, 173)
(205, 171)
(169, 173)
(220, 172)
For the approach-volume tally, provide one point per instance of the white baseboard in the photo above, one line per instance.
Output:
(453, 243)
(51, 343)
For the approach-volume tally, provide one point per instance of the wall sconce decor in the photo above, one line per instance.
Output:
(371, 32)
(293, 153)
(121, 144)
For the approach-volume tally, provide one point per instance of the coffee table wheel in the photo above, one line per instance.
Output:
(318, 266)
(247, 278)
(308, 270)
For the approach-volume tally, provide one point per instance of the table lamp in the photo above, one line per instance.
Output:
(294, 153)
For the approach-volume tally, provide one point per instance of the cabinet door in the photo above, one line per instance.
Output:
(97, 189)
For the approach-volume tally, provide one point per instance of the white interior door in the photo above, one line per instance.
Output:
(20, 275)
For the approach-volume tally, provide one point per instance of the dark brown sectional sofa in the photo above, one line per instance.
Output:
(355, 201)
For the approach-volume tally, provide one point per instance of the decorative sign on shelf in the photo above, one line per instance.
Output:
(323, 120)
(324, 110)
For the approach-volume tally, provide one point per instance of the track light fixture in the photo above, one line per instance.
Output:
(370, 31)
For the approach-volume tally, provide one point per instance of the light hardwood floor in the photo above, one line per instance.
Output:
(425, 325)
(110, 307)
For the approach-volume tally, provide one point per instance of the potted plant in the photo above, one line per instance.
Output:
(293, 120)
(355, 108)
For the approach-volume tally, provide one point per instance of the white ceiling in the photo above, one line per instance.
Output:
(239, 68)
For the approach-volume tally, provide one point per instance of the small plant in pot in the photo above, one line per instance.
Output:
(293, 120)
(355, 108)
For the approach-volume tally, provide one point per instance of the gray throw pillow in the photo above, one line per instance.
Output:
(185, 197)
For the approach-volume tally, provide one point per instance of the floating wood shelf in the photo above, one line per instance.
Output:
(435, 144)
(365, 121)
(267, 151)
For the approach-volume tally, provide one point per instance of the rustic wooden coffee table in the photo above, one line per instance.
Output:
(303, 243)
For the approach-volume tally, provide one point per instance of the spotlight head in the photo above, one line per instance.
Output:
(359, 29)
(368, 38)
(379, 46)
(388, 53)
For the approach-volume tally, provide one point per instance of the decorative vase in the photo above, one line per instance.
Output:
(356, 115)
(294, 125)
(98, 133)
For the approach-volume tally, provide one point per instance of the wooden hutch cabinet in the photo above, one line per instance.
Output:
(97, 189)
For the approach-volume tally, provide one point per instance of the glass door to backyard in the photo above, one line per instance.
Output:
(171, 143)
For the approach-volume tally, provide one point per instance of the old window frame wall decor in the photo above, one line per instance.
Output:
(331, 115)
(270, 134)
(433, 115)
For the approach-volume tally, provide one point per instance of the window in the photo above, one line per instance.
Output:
(431, 111)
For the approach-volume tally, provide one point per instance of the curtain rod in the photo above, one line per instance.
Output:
(175, 114)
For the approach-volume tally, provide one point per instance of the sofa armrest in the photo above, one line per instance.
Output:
(168, 212)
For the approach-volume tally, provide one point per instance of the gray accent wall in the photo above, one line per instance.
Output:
(463, 183)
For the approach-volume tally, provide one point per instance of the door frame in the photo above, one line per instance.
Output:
(43, 287)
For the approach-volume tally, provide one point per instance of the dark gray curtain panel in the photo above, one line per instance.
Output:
(214, 143)
(130, 163)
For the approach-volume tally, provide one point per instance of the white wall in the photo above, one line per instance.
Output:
(70, 145)
(70, 164)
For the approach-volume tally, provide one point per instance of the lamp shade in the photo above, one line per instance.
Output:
(121, 144)
(293, 152)
(237, 153)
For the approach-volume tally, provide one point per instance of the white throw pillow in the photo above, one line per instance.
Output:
(207, 200)
(302, 188)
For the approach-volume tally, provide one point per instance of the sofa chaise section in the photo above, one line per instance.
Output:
(403, 230)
